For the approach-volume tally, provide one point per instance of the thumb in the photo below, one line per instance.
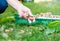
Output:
(30, 13)
(21, 14)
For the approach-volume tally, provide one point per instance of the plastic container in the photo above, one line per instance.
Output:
(40, 20)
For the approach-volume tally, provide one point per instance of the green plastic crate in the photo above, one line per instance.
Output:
(41, 20)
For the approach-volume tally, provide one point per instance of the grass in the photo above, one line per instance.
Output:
(44, 7)
(29, 33)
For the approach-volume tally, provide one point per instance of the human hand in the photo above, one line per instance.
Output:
(24, 12)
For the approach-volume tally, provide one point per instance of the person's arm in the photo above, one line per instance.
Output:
(21, 9)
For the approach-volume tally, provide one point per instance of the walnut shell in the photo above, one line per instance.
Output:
(7, 30)
(31, 18)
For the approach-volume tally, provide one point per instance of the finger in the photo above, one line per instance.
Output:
(30, 13)
(22, 14)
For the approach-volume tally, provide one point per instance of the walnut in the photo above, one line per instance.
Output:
(31, 18)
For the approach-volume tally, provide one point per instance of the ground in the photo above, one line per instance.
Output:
(10, 31)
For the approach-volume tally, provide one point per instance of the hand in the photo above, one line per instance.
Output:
(24, 12)
(21, 9)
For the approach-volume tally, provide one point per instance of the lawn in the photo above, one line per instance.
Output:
(12, 32)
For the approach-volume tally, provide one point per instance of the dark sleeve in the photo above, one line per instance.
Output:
(3, 5)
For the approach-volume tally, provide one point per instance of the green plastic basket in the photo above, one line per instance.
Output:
(41, 20)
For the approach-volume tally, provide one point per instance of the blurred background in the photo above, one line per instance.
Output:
(10, 31)
(38, 6)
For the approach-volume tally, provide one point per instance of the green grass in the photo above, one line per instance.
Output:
(29, 33)
(53, 7)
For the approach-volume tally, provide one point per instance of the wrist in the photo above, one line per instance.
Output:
(20, 7)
